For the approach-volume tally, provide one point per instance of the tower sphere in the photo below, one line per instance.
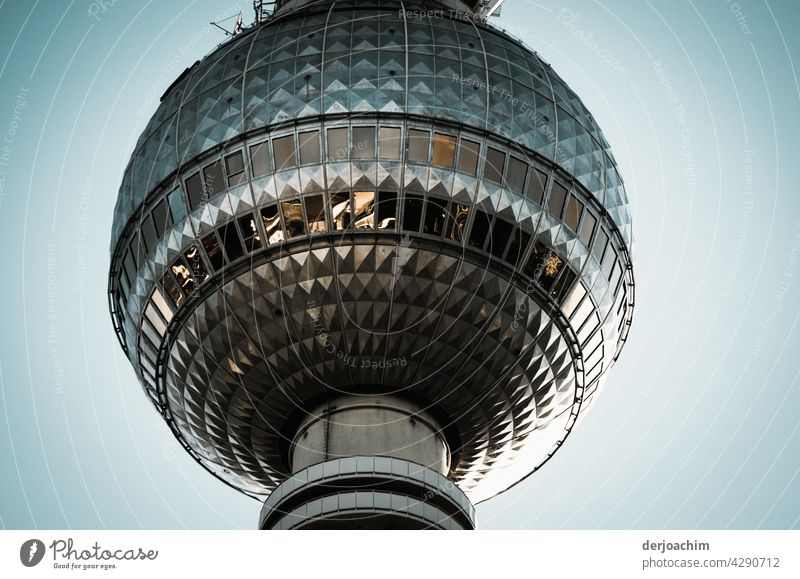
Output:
(371, 231)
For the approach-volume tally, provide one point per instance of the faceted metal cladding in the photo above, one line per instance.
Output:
(354, 198)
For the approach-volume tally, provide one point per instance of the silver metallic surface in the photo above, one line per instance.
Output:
(352, 199)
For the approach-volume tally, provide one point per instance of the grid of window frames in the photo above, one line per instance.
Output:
(427, 215)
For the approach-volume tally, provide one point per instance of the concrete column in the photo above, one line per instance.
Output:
(370, 426)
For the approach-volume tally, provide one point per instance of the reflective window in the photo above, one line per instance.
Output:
(468, 152)
(230, 241)
(315, 214)
(363, 142)
(340, 210)
(194, 190)
(161, 218)
(608, 261)
(573, 299)
(587, 228)
(293, 218)
(494, 165)
(172, 290)
(435, 215)
(183, 275)
(162, 305)
(309, 148)
(260, 160)
(215, 182)
(412, 212)
(556, 202)
(337, 144)
(518, 244)
(563, 284)
(615, 277)
(213, 250)
(444, 150)
(535, 265)
(418, 146)
(599, 246)
(387, 210)
(515, 179)
(501, 231)
(234, 167)
(196, 265)
(283, 150)
(572, 215)
(551, 267)
(456, 221)
(148, 233)
(364, 209)
(536, 186)
(250, 236)
(272, 224)
(480, 229)
(390, 142)
(177, 206)
(129, 266)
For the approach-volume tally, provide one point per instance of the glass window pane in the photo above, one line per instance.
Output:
(196, 265)
(550, 269)
(215, 182)
(435, 215)
(161, 217)
(515, 180)
(162, 305)
(309, 148)
(272, 224)
(177, 206)
(480, 229)
(572, 215)
(444, 150)
(364, 208)
(518, 244)
(608, 261)
(230, 241)
(252, 241)
(468, 152)
(501, 231)
(260, 160)
(283, 149)
(535, 264)
(558, 194)
(183, 275)
(363, 142)
(234, 167)
(536, 186)
(387, 210)
(337, 144)
(148, 234)
(456, 221)
(194, 190)
(213, 250)
(563, 284)
(573, 299)
(412, 212)
(340, 210)
(293, 218)
(315, 214)
(587, 228)
(172, 290)
(494, 166)
(390, 142)
(600, 242)
(151, 314)
(418, 146)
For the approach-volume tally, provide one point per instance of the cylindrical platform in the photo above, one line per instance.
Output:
(367, 492)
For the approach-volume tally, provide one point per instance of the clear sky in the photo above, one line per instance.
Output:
(698, 423)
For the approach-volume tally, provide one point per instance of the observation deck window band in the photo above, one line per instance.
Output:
(390, 143)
